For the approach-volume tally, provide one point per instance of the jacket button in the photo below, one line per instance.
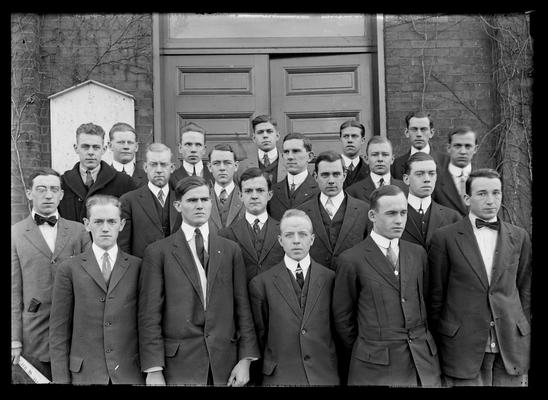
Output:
(108, 323)
(403, 300)
(492, 323)
(306, 358)
(303, 331)
(102, 299)
(108, 350)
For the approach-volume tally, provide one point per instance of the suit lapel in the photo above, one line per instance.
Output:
(244, 237)
(466, 240)
(235, 206)
(118, 270)
(147, 204)
(306, 191)
(35, 237)
(376, 259)
(451, 192)
(436, 213)
(315, 286)
(89, 263)
(281, 192)
(73, 180)
(313, 210)
(63, 236)
(411, 227)
(173, 213)
(406, 266)
(285, 287)
(105, 175)
(503, 250)
(270, 238)
(350, 218)
(215, 214)
(182, 253)
(216, 257)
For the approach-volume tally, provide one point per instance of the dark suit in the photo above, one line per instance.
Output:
(253, 162)
(381, 319)
(353, 229)
(271, 252)
(174, 329)
(363, 189)
(463, 302)
(446, 193)
(33, 268)
(236, 210)
(143, 222)
(181, 173)
(280, 201)
(93, 330)
(139, 175)
(297, 342)
(361, 171)
(109, 181)
(397, 169)
(439, 216)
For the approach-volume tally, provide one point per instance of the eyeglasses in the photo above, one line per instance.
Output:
(44, 189)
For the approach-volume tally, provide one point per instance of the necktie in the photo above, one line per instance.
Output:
(299, 275)
(491, 225)
(51, 220)
(330, 208)
(350, 168)
(266, 161)
(391, 256)
(292, 187)
(256, 228)
(193, 170)
(222, 197)
(462, 185)
(124, 171)
(199, 239)
(381, 182)
(161, 197)
(421, 211)
(106, 268)
(89, 179)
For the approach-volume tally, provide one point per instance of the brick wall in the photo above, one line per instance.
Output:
(452, 55)
(68, 49)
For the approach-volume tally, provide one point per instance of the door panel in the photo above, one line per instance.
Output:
(315, 95)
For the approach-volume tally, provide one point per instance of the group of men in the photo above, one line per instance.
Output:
(370, 270)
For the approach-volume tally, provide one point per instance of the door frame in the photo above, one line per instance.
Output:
(379, 85)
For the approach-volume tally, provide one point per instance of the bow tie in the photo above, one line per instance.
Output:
(491, 225)
(41, 220)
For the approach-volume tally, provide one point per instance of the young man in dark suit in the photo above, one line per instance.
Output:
(290, 304)
(39, 243)
(379, 157)
(450, 187)
(90, 175)
(419, 129)
(424, 215)
(192, 148)
(378, 302)
(298, 186)
(339, 220)
(480, 292)
(148, 211)
(195, 321)
(352, 136)
(93, 325)
(124, 146)
(257, 232)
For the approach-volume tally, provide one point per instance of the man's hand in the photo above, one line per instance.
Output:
(15, 353)
(155, 378)
(240, 373)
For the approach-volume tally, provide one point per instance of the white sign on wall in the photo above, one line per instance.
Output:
(90, 101)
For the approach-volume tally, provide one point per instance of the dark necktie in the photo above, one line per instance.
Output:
(292, 187)
(350, 168)
(421, 211)
(161, 197)
(462, 185)
(266, 161)
(391, 255)
(495, 225)
(106, 268)
(124, 171)
(193, 170)
(199, 239)
(222, 197)
(89, 179)
(51, 220)
(256, 228)
(381, 182)
(299, 275)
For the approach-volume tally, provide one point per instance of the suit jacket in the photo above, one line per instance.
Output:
(363, 189)
(439, 216)
(462, 299)
(109, 181)
(253, 162)
(397, 169)
(33, 268)
(359, 173)
(143, 224)
(382, 320)
(175, 331)
(236, 210)
(181, 173)
(280, 201)
(446, 193)
(93, 330)
(139, 175)
(287, 333)
(353, 229)
(271, 252)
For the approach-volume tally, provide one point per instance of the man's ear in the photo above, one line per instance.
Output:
(406, 179)
(406, 133)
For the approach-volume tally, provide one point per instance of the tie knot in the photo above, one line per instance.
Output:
(299, 270)
(266, 160)
(105, 256)
(197, 232)
(381, 182)
(256, 222)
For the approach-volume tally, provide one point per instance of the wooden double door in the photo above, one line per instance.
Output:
(310, 94)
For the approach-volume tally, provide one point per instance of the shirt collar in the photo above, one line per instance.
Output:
(94, 171)
(473, 218)
(130, 166)
(383, 242)
(251, 218)
(154, 189)
(376, 178)
(291, 264)
(416, 202)
(457, 171)
(55, 214)
(189, 167)
(218, 188)
(188, 231)
(98, 252)
(355, 161)
(272, 154)
(337, 200)
(297, 179)
(425, 149)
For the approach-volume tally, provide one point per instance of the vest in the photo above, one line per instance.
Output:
(301, 293)
(258, 240)
(420, 222)
(333, 226)
(163, 212)
(223, 210)
(271, 170)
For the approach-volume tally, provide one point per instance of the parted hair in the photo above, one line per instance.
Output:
(352, 123)
(299, 136)
(418, 114)
(102, 200)
(91, 129)
(254, 172)
(418, 156)
(480, 173)
(328, 155)
(292, 212)
(461, 130)
(191, 127)
(121, 127)
(261, 119)
(43, 171)
(378, 139)
(222, 147)
(157, 147)
(382, 191)
(188, 183)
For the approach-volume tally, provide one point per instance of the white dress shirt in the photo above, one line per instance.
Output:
(218, 188)
(297, 179)
(354, 161)
(487, 242)
(94, 173)
(376, 178)
(456, 173)
(416, 202)
(190, 168)
(383, 244)
(272, 155)
(291, 264)
(425, 149)
(48, 232)
(129, 167)
(188, 231)
(155, 189)
(250, 218)
(112, 254)
(336, 200)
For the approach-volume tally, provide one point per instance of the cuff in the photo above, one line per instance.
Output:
(15, 344)
(153, 369)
